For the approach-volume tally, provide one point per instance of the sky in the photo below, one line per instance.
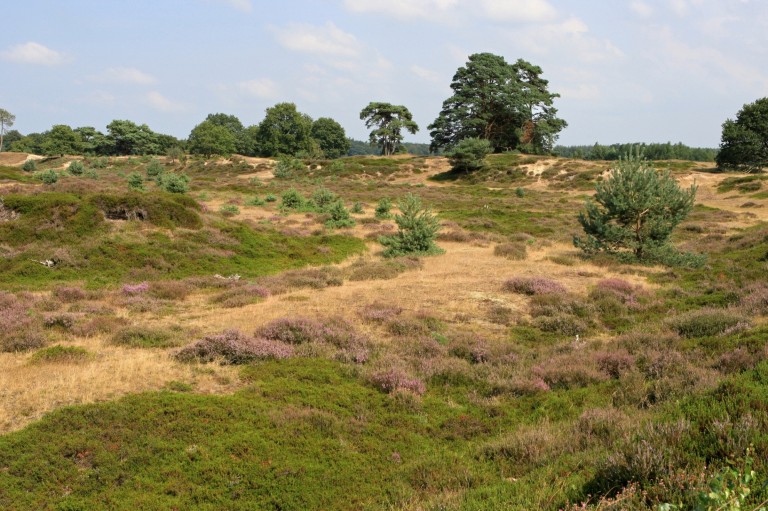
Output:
(626, 70)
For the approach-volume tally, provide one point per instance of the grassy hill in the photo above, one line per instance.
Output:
(221, 349)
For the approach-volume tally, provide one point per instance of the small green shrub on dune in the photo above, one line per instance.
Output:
(174, 183)
(48, 177)
(76, 168)
(155, 168)
(229, 210)
(339, 216)
(135, 181)
(143, 337)
(29, 166)
(417, 230)
(383, 208)
(61, 354)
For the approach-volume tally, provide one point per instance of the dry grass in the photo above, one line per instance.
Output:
(27, 391)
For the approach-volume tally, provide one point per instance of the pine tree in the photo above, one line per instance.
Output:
(417, 230)
(635, 209)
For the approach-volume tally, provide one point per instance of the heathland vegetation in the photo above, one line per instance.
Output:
(299, 330)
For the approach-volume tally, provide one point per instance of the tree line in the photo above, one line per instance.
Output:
(507, 105)
(653, 151)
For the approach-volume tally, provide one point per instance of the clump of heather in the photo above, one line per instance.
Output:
(18, 329)
(533, 286)
(620, 289)
(351, 345)
(135, 289)
(234, 347)
(394, 379)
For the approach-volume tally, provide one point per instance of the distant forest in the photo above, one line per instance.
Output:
(668, 151)
(358, 147)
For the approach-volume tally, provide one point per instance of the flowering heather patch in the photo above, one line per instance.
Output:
(352, 346)
(474, 350)
(738, 360)
(624, 291)
(568, 371)
(241, 296)
(755, 302)
(135, 289)
(614, 363)
(234, 347)
(379, 312)
(18, 330)
(63, 321)
(533, 286)
(394, 379)
(69, 294)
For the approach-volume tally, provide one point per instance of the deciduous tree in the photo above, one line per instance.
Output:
(331, 137)
(208, 138)
(285, 131)
(744, 142)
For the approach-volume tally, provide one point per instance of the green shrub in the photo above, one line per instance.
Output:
(99, 163)
(417, 230)
(143, 337)
(292, 199)
(255, 201)
(135, 181)
(635, 210)
(60, 354)
(383, 208)
(91, 173)
(288, 167)
(324, 199)
(76, 168)
(29, 166)
(271, 197)
(48, 177)
(520, 192)
(705, 322)
(357, 208)
(514, 251)
(229, 210)
(469, 154)
(339, 216)
(173, 183)
(155, 168)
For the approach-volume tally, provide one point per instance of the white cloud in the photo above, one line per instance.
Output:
(124, 75)
(641, 8)
(327, 39)
(570, 37)
(160, 102)
(100, 97)
(440, 10)
(240, 5)
(260, 88)
(519, 10)
(405, 9)
(426, 74)
(34, 53)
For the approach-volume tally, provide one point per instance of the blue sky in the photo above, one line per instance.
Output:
(627, 70)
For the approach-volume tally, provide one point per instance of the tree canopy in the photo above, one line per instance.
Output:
(284, 130)
(390, 120)
(744, 142)
(61, 140)
(331, 137)
(209, 138)
(507, 104)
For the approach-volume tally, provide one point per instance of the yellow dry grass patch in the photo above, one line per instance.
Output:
(27, 391)
(458, 284)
